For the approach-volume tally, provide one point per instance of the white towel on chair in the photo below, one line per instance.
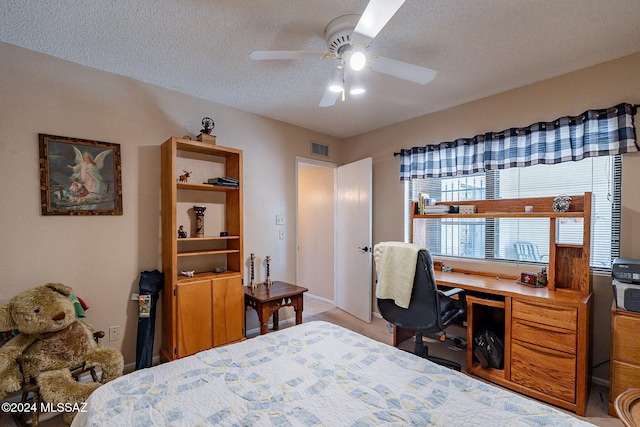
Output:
(395, 268)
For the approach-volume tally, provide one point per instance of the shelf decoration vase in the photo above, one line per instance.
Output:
(199, 211)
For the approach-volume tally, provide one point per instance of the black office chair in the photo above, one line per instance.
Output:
(430, 310)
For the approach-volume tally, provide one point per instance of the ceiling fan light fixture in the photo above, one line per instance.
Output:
(337, 80)
(357, 60)
(357, 90)
(356, 87)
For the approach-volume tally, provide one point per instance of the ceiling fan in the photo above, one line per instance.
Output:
(348, 38)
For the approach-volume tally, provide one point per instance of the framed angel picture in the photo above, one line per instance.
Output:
(79, 177)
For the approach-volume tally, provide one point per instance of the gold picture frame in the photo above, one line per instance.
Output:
(79, 176)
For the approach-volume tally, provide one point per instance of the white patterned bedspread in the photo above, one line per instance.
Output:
(312, 374)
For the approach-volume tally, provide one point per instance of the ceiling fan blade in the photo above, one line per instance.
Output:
(373, 19)
(286, 54)
(403, 70)
(329, 98)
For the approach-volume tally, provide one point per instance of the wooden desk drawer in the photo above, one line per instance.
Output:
(623, 376)
(545, 370)
(626, 345)
(543, 335)
(561, 317)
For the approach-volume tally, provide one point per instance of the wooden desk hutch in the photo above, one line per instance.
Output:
(547, 331)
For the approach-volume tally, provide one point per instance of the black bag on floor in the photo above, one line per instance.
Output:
(489, 349)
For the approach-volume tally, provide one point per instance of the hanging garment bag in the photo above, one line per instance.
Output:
(150, 286)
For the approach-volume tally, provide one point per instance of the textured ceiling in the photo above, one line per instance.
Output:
(202, 47)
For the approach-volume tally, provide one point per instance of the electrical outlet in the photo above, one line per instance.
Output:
(114, 333)
(279, 219)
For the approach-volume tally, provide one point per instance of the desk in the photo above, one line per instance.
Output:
(546, 334)
(267, 301)
(547, 331)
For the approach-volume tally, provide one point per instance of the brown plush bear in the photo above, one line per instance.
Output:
(55, 342)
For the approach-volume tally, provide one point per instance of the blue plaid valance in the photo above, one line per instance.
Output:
(593, 133)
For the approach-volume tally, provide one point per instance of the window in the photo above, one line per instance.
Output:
(517, 239)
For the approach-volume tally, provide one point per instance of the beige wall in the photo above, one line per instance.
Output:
(101, 257)
(596, 87)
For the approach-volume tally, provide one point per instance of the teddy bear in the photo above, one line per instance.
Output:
(54, 342)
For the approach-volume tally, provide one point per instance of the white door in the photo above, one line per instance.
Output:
(353, 238)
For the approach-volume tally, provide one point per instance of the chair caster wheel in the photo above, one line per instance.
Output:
(460, 342)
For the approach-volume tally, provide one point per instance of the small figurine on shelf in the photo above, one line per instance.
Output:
(199, 211)
(252, 282)
(185, 177)
(561, 203)
(181, 233)
(205, 132)
(268, 280)
(542, 277)
(188, 273)
(207, 125)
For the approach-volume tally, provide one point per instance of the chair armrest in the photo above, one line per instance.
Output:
(452, 292)
(462, 299)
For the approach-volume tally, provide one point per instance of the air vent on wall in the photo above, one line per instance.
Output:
(319, 149)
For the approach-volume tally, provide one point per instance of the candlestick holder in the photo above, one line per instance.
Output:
(268, 280)
(252, 283)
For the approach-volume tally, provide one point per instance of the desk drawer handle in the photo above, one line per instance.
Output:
(546, 350)
(542, 327)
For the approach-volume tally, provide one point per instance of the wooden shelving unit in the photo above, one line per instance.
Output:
(206, 310)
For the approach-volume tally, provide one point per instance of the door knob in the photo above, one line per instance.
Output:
(365, 249)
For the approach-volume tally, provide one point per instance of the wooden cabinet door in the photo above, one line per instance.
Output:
(228, 310)
(194, 318)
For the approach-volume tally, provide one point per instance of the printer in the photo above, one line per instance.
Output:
(626, 283)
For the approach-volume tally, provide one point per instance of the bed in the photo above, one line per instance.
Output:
(313, 374)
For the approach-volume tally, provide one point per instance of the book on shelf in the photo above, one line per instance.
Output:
(435, 209)
(224, 182)
(424, 202)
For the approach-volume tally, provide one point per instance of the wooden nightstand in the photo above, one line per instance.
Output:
(625, 353)
(268, 300)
